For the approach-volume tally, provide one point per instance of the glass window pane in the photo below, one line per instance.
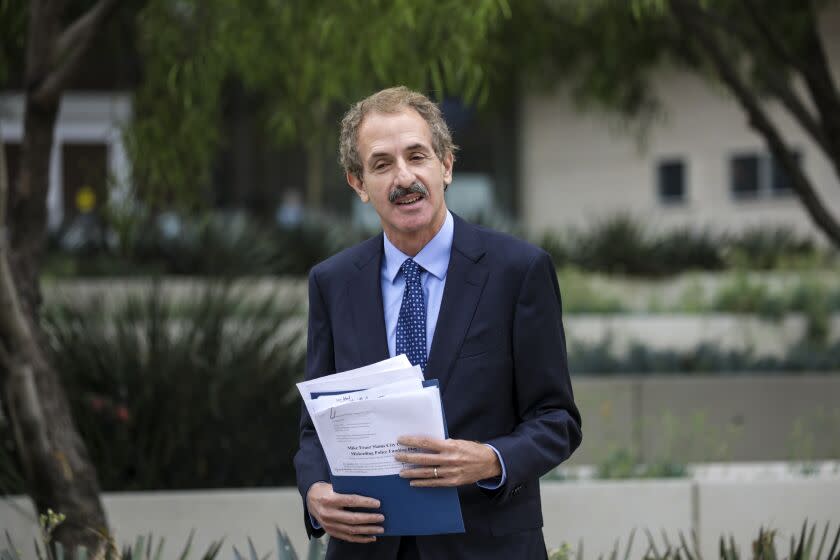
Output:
(744, 176)
(780, 181)
(671, 181)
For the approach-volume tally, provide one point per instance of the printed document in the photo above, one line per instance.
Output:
(359, 415)
(359, 437)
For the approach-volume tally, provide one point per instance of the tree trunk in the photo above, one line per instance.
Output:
(56, 466)
(54, 459)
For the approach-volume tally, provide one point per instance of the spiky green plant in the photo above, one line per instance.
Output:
(144, 548)
(763, 547)
(285, 550)
(183, 394)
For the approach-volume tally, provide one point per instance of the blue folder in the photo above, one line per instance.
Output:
(407, 510)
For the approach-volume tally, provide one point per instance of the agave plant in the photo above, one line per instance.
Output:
(144, 548)
(285, 550)
(183, 394)
(763, 548)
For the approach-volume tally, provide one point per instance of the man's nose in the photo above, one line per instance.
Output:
(404, 176)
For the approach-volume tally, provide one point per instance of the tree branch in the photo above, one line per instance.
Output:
(778, 85)
(780, 88)
(69, 48)
(686, 12)
(822, 88)
(43, 24)
(84, 27)
(729, 25)
(772, 40)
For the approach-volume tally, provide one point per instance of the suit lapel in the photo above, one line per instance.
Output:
(364, 293)
(464, 283)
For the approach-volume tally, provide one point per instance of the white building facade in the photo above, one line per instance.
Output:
(700, 164)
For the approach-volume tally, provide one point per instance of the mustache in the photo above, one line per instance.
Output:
(414, 188)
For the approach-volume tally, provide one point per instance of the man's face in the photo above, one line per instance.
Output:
(396, 152)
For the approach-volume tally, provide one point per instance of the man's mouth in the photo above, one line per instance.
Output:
(408, 200)
(406, 196)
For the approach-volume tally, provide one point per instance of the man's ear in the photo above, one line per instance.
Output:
(448, 162)
(357, 185)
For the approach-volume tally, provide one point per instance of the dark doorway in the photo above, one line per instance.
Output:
(83, 166)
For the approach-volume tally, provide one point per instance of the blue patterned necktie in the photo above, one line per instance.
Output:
(411, 324)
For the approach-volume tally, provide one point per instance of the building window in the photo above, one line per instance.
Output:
(745, 176)
(670, 179)
(755, 175)
(780, 181)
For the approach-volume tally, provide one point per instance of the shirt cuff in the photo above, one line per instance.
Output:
(498, 482)
(312, 520)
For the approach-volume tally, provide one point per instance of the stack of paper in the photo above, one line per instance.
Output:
(359, 415)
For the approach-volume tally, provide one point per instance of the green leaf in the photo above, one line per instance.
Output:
(252, 550)
(187, 547)
(818, 555)
(285, 550)
(629, 546)
(834, 544)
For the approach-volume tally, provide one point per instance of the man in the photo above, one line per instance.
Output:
(476, 309)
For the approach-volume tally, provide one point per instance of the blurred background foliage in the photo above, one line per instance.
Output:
(300, 61)
(193, 392)
(620, 245)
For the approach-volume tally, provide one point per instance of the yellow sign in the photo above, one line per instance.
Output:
(85, 199)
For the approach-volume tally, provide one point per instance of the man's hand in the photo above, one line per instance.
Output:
(328, 508)
(447, 462)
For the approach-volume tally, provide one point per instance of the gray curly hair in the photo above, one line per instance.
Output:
(391, 100)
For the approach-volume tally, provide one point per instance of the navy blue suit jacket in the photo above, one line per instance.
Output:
(499, 354)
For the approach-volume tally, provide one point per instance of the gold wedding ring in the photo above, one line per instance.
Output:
(436, 475)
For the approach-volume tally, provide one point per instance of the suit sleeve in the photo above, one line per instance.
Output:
(310, 461)
(550, 426)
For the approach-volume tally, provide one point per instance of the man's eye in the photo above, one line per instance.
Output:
(380, 165)
(418, 157)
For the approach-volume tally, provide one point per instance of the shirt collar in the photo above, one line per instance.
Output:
(433, 257)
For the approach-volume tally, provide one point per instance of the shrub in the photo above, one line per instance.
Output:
(187, 396)
(743, 295)
(301, 247)
(803, 547)
(769, 247)
(601, 358)
(580, 296)
(683, 249)
(236, 244)
(618, 245)
(218, 245)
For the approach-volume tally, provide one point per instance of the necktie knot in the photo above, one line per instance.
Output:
(411, 271)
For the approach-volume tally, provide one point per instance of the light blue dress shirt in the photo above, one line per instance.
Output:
(434, 258)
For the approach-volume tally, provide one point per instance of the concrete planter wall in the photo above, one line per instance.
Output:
(710, 418)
